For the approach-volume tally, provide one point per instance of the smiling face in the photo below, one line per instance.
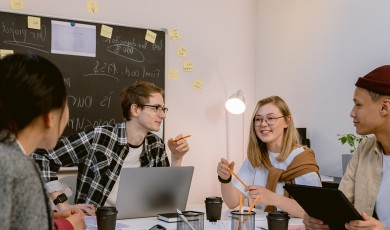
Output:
(150, 117)
(271, 135)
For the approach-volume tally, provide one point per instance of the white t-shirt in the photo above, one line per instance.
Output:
(131, 161)
(258, 176)
(382, 206)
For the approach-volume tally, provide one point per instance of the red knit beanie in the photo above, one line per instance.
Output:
(377, 81)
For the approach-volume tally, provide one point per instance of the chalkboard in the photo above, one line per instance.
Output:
(95, 71)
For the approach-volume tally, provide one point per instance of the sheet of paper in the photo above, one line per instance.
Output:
(73, 39)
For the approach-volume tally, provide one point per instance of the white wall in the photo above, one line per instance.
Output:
(220, 38)
(311, 53)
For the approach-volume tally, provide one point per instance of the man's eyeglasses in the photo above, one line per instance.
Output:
(271, 120)
(158, 108)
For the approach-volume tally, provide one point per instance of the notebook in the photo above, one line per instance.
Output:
(145, 192)
(327, 204)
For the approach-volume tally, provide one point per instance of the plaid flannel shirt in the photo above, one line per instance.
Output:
(99, 154)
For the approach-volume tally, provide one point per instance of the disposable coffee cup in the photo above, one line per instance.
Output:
(213, 208)
(278, 220)
(106, 218)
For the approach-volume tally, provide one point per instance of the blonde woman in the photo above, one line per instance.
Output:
(274, 157)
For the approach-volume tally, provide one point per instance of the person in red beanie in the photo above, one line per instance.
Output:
(366, 182)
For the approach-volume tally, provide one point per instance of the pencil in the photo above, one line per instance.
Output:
(183, 137)
(250, 209)
(242, 182)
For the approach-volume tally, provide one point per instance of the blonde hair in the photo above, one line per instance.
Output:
(291, 139)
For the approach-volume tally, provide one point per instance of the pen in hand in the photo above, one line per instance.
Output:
(184, 219)
(183, 137)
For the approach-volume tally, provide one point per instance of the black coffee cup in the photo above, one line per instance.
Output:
(106, 218)
(278, 220)
(213, 208)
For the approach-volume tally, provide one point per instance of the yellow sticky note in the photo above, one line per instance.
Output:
(3, 53)
(174, 34)
(181, 52)
(173, 74)
(198, 84)
(92, 7)
(187, 66)
(34, 22)
(106, 31)
(150, 36)
(17, 4)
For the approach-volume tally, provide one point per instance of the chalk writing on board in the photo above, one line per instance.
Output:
(33, 39)
(93, 82)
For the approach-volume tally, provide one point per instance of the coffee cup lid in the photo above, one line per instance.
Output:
(278, 215)
(106, 210)
(214, 199)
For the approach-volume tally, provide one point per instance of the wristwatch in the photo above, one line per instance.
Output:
(60, 199)
(225, 181)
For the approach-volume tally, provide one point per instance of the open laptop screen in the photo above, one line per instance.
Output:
(145, 192)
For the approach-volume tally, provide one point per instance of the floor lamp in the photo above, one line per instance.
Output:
(235, 104)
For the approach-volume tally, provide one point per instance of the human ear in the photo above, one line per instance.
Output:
(385, 106)
(48, 119)
(134, 110)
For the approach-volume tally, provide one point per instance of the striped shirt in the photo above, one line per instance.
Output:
(99, 154)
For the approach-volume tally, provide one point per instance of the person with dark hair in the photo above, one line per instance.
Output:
(274, 157)
(100, 153)
(33, 114)
(366, 181)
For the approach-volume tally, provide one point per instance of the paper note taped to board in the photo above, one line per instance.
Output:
(4, 53)
(198, 85)
(174, 34)
(173, 74)
(92, 7)
(17, 4)
(150, 36)
(187, 66)
(34, 22)
(181, 51)
(106, 31)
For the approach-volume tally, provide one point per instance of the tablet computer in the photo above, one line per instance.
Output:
(326, 204)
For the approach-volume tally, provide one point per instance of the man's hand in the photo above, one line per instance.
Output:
(368, 222)
(178, 149)
(313, 223)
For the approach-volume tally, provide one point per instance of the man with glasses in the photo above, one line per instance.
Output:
(101, 153)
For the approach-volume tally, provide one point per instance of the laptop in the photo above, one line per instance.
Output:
(145, 192)
(326, 204)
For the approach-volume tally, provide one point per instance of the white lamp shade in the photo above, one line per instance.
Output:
(236, 103)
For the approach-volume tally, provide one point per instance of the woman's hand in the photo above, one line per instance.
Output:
(88, 209)
(266, 197)
(222, 169)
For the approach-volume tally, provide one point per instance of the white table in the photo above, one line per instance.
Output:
(224, 223)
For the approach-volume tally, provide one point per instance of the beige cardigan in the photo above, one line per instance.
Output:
(363, 176)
